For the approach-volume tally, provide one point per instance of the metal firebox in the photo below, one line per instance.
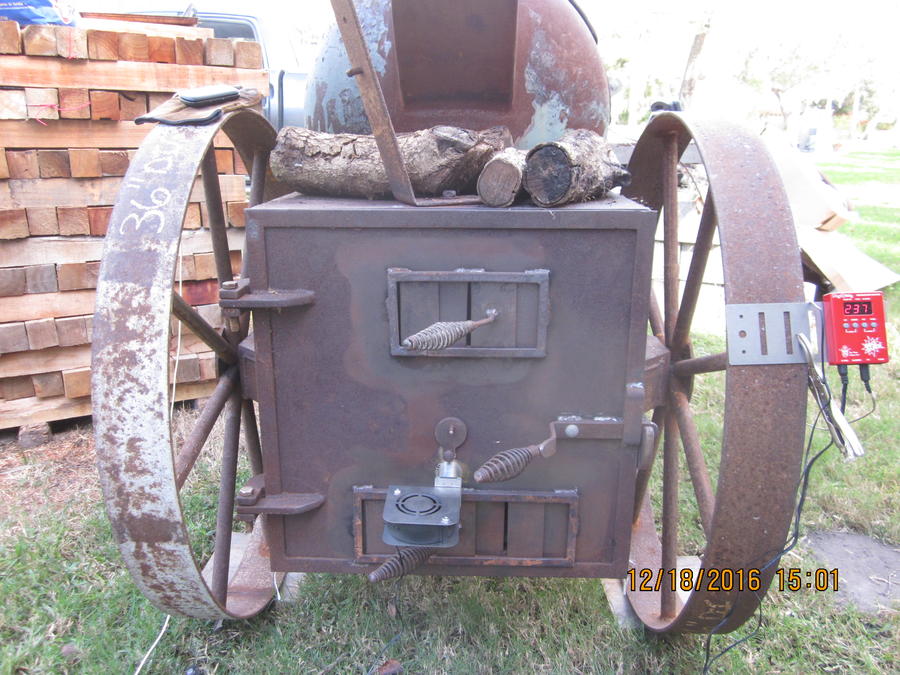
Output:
(345, 411)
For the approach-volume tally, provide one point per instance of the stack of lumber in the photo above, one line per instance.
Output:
(67, 96)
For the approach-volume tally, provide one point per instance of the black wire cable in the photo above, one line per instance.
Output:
(845, 382)
(790, 544)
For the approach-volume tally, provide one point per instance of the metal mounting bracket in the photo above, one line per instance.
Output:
(766, 333)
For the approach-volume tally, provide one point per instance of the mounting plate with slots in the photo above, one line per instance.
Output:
(766, 333)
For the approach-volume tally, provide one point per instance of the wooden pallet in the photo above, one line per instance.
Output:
(67, 146)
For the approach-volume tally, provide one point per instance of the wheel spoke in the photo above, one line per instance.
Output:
(656, 320)
(251, 437)
(670, 233)
(213, 194)
(193, 444)
(225, 513)
(700, 364)
(668, 598)
(690, 439)
(694, 281)
(192, 319)
(258, 176)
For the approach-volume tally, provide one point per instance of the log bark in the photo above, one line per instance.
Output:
(500, 181)
(348, 165)
(579, 166)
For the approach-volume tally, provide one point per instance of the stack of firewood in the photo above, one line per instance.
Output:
(66, 139)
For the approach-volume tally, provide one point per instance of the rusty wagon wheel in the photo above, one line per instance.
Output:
(141, 472)
(746, 512)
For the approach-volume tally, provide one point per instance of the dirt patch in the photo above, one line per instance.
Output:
(55, 473)
(869, 571)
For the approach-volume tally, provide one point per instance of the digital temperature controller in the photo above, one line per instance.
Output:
(854, 328)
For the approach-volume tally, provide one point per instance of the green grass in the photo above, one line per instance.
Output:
(68, 605)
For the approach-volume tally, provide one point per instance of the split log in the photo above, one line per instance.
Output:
(579, 166)
(348, 165)
(500, 181)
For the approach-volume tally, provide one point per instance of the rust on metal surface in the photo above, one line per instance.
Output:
(403, 562)
(764, 406)
(130, 365)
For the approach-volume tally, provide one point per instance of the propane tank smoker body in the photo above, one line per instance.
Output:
(355, 417)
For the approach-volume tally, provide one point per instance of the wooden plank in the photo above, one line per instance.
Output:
(46, 305)
(236, 217)
(204, 266)
(29, 71)
(72, 331)
(207, 362)
(42, 221)
(188, 52)
(77, 382)
(35, 410)
(188, 368)
(40, 278)
(219, 52)
(156, 99)
(247, 54)
(12, 388)
(151, 19)
(70, 133)
(23, 164)
(39, 40)
(73, 220)
(40, 250)
(150, 26)
(98, 219)
(66, 192)
(201, 292)
(13, 337)
(85, 162)
(10, 38)
(104, 105)
(4, 166)
(113, 162)
(224, 160)
(42, 103)
(47, 385)
(132, 104)
(71, 42)
(45, 361)
(74, 104)
(13, 224)
(77, 276)
(12, 105)
(103, 45)
(12, 281)
(192, 218)
(54, 164)
(134, 47)
(162, 49)
(41, 334)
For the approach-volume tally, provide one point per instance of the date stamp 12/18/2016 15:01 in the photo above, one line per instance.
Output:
(713, 579)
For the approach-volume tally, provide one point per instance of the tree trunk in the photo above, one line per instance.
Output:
(347, 165)
(500, 182)
(578, 167)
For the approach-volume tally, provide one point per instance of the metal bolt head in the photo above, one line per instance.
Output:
(229, 285)
(397, 492)
(445, 520)
(572, 430)
(245, 491)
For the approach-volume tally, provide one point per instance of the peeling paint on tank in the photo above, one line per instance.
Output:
(334, 98)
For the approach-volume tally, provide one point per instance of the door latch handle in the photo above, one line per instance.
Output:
(442, 334)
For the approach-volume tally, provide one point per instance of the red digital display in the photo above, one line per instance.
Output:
(855, 331)
(858, 308)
